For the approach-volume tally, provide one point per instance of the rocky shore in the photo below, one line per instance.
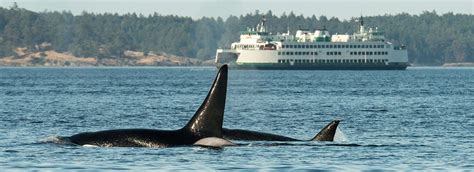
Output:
(24, 57)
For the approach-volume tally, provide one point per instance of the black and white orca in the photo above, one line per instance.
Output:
(206, 123)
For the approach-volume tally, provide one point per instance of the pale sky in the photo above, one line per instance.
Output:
(343, 9)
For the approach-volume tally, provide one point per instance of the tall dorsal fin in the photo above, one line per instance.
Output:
(328, 132)
(207, 121)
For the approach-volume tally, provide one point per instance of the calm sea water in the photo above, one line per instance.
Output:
(418, 119)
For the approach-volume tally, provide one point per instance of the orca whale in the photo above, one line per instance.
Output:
(326, 134)
(206, 123)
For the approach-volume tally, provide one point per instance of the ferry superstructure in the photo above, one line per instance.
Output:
(366, 49)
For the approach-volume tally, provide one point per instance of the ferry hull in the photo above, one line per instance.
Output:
(277, 66)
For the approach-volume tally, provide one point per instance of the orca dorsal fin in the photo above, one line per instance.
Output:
(328, 132)
(207, 121)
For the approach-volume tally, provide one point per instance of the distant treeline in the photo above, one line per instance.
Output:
(431, 39)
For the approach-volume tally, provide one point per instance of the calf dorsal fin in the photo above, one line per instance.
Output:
(328, 132)
(207, 121)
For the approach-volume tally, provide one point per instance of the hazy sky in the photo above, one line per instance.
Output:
(343, 9)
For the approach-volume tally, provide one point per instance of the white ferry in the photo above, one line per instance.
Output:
(366, 49)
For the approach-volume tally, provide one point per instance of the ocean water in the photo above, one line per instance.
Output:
(417, 119)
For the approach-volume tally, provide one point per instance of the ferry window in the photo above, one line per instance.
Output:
(330, 46)
(370, 46)
(315, 53)
(319, 46)
(283, 46)
(331, 53)
(287, 53)
(312, 53)
(350, 53)
(363, 52)
(291, 53)
(338, 46)
(327, 53)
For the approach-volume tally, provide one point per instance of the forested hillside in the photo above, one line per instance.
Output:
(431, 39)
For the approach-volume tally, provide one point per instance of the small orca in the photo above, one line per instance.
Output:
(326, 134)
(206, 122)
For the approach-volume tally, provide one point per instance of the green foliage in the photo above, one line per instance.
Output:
(431, 39)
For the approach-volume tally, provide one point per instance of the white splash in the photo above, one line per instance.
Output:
(56, 140)
(340, 136)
